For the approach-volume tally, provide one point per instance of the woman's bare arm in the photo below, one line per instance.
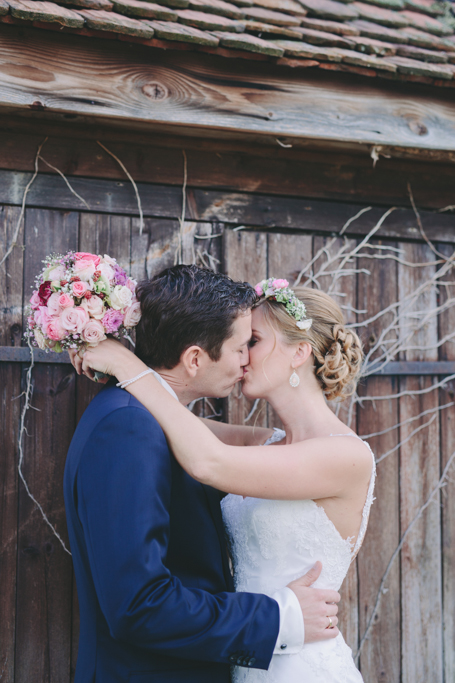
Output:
(238, 435)
(316, 468)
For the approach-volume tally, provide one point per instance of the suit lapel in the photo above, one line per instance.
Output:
(213, 498)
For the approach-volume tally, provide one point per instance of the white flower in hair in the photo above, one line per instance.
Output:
(304, 324)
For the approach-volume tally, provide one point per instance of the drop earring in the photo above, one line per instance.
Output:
(294, 380)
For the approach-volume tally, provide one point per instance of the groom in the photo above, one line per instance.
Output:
(156, 596)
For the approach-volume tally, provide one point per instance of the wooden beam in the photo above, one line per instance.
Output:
(21, 354)
(235, 209)
(99, 79)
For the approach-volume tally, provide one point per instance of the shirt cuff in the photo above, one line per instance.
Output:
(291, 635)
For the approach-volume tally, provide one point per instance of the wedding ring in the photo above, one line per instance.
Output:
(330, 623)
(81, 352)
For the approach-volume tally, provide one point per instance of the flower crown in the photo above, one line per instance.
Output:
(280, 291)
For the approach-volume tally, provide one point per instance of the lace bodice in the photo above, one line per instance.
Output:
(273, 542)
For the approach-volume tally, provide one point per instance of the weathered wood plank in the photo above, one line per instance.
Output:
(219, 164)
(76, 75)
(43, 633)
(11, 274)
(287, 256)
(164, 201)
(419, 466)
(446, 353)
(380, 657)
(346, 287)
(245, 259)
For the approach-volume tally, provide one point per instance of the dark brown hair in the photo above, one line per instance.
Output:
(185, 306)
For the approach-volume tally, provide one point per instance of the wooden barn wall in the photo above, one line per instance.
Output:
(413, 639)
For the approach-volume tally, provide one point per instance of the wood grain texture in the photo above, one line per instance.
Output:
(421, 598)
(287, 256)
(380, 658)
(446, 325)
(43, 633)
(347, 287)
(11, 274)
(220, 164)
(245, 259)
(75, 75)
(235, 208)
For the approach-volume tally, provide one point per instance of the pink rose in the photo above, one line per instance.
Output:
(35, 300)
(86, 256)
(65, 301)
(54, 330)
(107, 271)
(280, 284)
(94, 307)
(53, 304)
(131, 284)
(84, 268)
(42, 317)
(79, 288)
(93, 333)
(259, 291)
(112, 320)
(132, 315)
(74, 319)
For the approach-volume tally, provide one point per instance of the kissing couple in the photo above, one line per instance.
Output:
(147, 517)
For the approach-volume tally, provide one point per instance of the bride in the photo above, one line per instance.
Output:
(305, 494)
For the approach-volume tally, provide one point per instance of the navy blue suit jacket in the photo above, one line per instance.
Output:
(155, 593)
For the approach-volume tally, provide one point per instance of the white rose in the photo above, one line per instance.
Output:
(94, 307)
(132, 315)
(57, 273)
(107, 271)
(120, 297)
(110, 261)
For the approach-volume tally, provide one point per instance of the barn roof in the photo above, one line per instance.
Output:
(412, 40)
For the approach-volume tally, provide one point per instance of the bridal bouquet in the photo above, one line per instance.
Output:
(78, 299)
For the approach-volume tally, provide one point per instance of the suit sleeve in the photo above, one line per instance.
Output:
(124, 485)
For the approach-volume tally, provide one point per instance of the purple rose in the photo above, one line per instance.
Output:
(112, 320)
(121, 278)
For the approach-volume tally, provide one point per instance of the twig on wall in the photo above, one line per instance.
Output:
(62, 175)
(130, 178)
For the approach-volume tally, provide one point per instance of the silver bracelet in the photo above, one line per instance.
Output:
(127, 382)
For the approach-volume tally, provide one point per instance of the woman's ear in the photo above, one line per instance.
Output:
(302, 354)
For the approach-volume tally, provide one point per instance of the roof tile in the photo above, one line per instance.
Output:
(177, 4)
(243, 3)
(295, 49)
(290, 6)
(329, 9)
(34, 10)
(424, 39)
(224, 9)
(249, 43)
(372, 30)
(426, 23)
(4, 8)
(341, 29)
(380, 15)
(259, 27)
(169, 30)
(116, 23)
(137, 8)
(88, 4)
(422, 54)
(209, 22)
(367, 61)
(413, 66)
(387, 4)
(269, 17)
(373, 47)
(426, 6)
(309, 35)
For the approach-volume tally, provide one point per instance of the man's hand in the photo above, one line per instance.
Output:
(317, 605)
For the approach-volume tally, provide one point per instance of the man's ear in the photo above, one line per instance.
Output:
(191, 359)
(302, 354)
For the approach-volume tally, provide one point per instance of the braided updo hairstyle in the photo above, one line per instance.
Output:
(337, 350)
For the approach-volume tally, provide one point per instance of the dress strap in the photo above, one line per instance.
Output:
(369, 499)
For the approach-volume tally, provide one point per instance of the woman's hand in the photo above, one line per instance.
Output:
(111, 358)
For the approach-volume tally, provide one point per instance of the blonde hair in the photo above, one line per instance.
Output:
(337, 350)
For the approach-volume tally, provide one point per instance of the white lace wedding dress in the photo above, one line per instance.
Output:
(273, 542)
